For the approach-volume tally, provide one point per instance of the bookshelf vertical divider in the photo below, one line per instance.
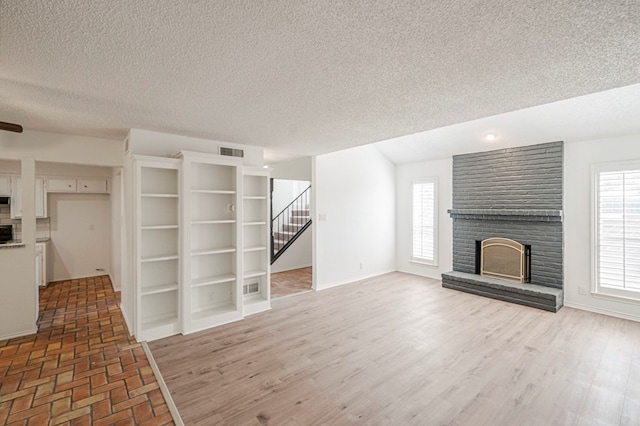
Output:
(256, 241)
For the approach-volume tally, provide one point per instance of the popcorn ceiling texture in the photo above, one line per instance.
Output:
(306, 76)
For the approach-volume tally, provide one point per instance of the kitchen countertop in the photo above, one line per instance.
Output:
(12, 245)
(18, 243)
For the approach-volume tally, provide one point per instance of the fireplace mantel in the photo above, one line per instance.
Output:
(529, 215)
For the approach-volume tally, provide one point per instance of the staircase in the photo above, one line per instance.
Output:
(297, 220)
(289, 224)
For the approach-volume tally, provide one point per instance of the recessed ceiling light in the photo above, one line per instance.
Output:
(491, 137)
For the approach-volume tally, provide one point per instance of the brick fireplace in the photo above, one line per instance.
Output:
(513, 193)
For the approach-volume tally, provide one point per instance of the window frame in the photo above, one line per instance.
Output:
(598, 290)
(416, 259)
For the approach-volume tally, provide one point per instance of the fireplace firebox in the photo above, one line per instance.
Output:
(504, 259)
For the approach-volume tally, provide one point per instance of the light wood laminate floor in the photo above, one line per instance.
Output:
(399, 349)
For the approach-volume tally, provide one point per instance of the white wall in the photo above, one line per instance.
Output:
(80, 235)
(46, 168)
(354, 221)
(578, 158)
(285, 191)
(405, 174)
(298, 169)
(116, 197)
(298, 255)
(147, 142)
(61, 148)
(17, 282)
(127, 295)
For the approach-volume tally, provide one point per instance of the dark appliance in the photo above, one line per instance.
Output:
(5, 201)
(6, 234)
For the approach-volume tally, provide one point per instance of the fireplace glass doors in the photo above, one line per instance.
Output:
(504, 259)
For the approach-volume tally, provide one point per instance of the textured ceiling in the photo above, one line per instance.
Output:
(609, 114)
(303, 77)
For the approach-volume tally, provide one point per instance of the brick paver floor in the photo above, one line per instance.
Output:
(82, 367)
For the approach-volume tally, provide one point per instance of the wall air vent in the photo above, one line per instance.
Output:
(231, 152)
(251, 288)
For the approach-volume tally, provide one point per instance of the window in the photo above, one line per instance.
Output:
(425, 221)
(617, 230)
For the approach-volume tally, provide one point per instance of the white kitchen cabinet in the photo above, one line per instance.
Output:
(211, 240)
(157, 248)
(84, 185)
(16, 198)
(94, 186)
(5, 186)
(61, 185)
(41, 264)
(256, 241)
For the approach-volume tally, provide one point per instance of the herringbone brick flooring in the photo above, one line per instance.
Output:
(82, 367)
(291, 282)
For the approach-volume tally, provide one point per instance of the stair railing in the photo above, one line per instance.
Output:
(287, 217)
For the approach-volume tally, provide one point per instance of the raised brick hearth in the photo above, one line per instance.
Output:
(536, 296)
(513, 193)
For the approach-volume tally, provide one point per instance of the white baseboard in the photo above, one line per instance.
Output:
(163, 386)
(352, 280)
(126, 320)
(19, 333)
(289, 268)
(90, 275)
(436, 275)
(112, 283)
(602, 311)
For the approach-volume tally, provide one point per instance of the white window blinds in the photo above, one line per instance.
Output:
(618, 229)
(424, 221)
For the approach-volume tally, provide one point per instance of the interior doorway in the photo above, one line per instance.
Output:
(291, 282)
(291, 268)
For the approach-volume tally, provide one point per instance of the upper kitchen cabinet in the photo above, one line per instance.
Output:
(93, 185)
(5, 186)
(16, 198)
(83, 185)
(61, 185)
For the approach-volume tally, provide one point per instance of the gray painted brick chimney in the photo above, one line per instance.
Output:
(515, 193)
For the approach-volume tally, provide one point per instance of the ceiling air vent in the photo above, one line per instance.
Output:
(231, 152)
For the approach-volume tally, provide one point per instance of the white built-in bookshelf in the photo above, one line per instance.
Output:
(157, 248)
(213, 293)
(203, 243)
(255, 240)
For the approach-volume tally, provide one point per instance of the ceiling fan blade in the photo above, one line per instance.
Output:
(10, 127)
